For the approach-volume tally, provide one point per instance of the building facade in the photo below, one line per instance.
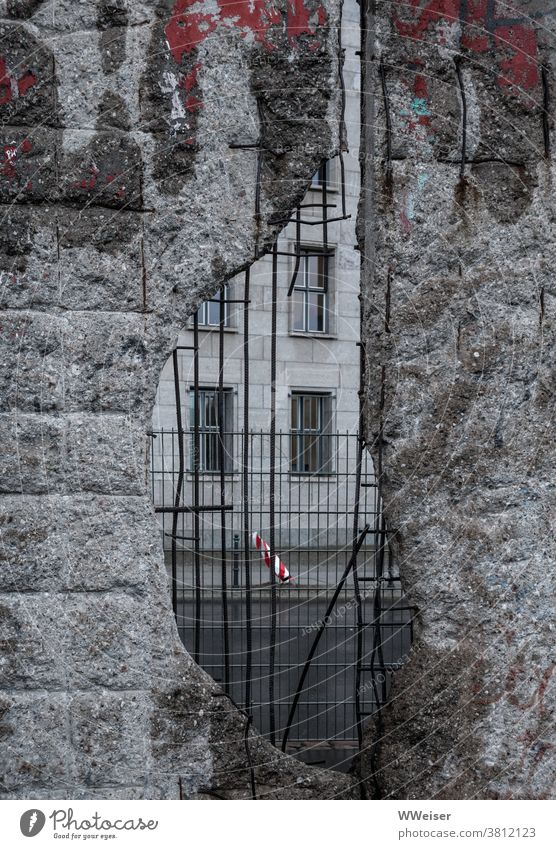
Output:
(317, 369)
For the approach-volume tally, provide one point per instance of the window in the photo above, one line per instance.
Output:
(325, 176)
(209, 432)
(209, 311)
(310, 296)
(311, 433)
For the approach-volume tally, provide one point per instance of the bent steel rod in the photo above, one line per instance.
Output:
(297, 250)
(221, 463)
(320, 631)
(179, 485)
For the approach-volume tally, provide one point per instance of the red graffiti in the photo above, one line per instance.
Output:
(9, 160)
(110, 179)
(188, 83)
(190, 79)
(434, 11)
(88, 183)
(513, 38)
(188, 28)
(301, 21)
(521, 69)
(91, 182)
(475, 37)
(10, 155)
(11, 86)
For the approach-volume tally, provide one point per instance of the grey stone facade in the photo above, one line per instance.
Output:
(123, 207)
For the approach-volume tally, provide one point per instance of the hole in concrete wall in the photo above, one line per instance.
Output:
(269, 508)
(256, 462)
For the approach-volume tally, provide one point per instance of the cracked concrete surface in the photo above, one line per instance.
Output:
(123, 207)
(459, 302)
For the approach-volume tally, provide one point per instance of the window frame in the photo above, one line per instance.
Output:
(209, 432)
(304, 287)
(324, 432)
(203, 311)
(328, 171)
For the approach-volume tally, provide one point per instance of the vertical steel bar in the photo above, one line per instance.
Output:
(272, 504)
(196, 519)
(245, 500)
(222, 477)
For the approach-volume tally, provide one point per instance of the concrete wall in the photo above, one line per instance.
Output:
(123, 207)
(460, 300)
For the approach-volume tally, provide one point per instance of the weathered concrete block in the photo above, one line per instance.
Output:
(100, 260)
(27, 79)
(34, 344)
(28, 171)
(79, 542)
(28, 258)
(30, 629)
(101, 169)
(32, 452)
(105, 454)
(38, 716)
(108, 640)
(111, 737)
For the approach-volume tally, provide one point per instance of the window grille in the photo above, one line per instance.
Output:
(310, 444)
(209, 431)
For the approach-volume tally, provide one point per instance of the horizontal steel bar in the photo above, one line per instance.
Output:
(188, 509)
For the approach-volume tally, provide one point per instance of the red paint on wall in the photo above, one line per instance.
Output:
(7, 166)
(88, 183)
(420, 18)
(26, 82)
(190, 79)
(520, 69)
(256, 16)
(193, 104)
(11, 85)
(475, 37)
(10, 153)
(187, 28)
(515, 44)
(5, 83)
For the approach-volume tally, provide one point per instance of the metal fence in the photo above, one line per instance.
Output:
(207, 557)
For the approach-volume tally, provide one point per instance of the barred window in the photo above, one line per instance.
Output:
(209, 430)
(311, 433)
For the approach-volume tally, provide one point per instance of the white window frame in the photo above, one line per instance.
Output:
(324, 431)
(203, 312)
(303, 286)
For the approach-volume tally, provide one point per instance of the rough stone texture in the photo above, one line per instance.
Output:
(460, 303)
(123, 207)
